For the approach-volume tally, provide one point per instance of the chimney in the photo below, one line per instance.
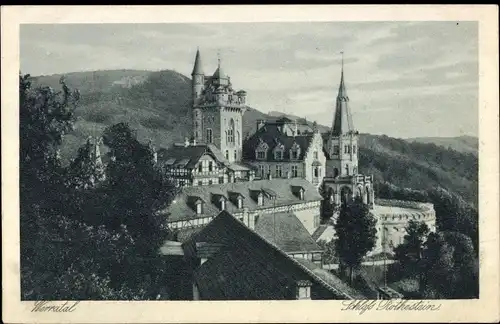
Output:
(186, 142)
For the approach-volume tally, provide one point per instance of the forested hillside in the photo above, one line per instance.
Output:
(157, 106)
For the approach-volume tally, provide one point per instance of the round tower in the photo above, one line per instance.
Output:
(198, 78)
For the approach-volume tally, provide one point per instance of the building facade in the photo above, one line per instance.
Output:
(285, 148)
(217, 111)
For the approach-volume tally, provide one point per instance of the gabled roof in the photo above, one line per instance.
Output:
(281, 188)
(287, 232)
(188, 156)
(250, 268)
(273, 137)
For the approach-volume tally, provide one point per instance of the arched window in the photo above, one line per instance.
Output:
(335, 172)
(230, 132)
(237, 137)
(209, 135)
(347, 169)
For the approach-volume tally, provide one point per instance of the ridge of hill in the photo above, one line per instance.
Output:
(157, 106)
(464, 143)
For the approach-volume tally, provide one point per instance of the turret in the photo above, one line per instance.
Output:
(198, 77)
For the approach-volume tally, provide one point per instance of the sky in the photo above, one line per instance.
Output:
(404, 79)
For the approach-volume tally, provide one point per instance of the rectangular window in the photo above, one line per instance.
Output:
(200, 167)
(278, 155)
(277, 174)
(210, 166)
(200, 183)
(349, 149)
(261, 155)
(198, 208)
(354, 149)
(227, 155)
(261, 171)
(295, 172)
(210, 182)
(316, 154)
(336, 149)
(221, 179)
(235, 155)
(345, 148)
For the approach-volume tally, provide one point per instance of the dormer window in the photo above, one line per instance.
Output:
(261, 150)
(295, 152)
(260, 199)
(303, 289)
(199, 207)
(278, 152)
(298, 191)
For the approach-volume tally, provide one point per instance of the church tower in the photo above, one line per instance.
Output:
(218, 111)
(342, 180)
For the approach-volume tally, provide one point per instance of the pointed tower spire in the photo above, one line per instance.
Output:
(342, 122)
(197, 69)
(342, 91)
(219, 73)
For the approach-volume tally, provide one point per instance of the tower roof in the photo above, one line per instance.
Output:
(197, 69)
(342, 122)
(219, 73)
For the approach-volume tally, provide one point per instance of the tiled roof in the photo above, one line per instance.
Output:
(287, 232)
(184, 209)
(188, 156)
(272, 136)
(248, 267)
(331, 279)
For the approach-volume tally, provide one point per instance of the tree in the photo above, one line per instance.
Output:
(328, 248)
(409, 254)
(355, 234)
(450, 267)
(57, 253)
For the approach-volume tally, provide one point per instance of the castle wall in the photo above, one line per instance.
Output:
(232, 151)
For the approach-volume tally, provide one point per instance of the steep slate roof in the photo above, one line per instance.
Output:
(188, 156)
(248, 267)
(287, 232)
(197, 69)
(183, 209)
(271, 135)
(342, 122)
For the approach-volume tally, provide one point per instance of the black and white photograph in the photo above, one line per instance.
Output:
(249, 161)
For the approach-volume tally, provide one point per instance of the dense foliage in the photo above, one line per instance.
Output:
(355, 233)
(85, 235)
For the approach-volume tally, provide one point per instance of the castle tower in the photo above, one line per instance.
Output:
(218, 111)
(342, 180)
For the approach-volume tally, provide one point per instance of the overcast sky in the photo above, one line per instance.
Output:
(403, 79)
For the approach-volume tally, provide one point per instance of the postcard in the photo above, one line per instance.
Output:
(246, 164)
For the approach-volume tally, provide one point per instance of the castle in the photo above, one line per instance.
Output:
(285, 167)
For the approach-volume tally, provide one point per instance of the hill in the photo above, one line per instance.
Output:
(157, 105)
(464, 144)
